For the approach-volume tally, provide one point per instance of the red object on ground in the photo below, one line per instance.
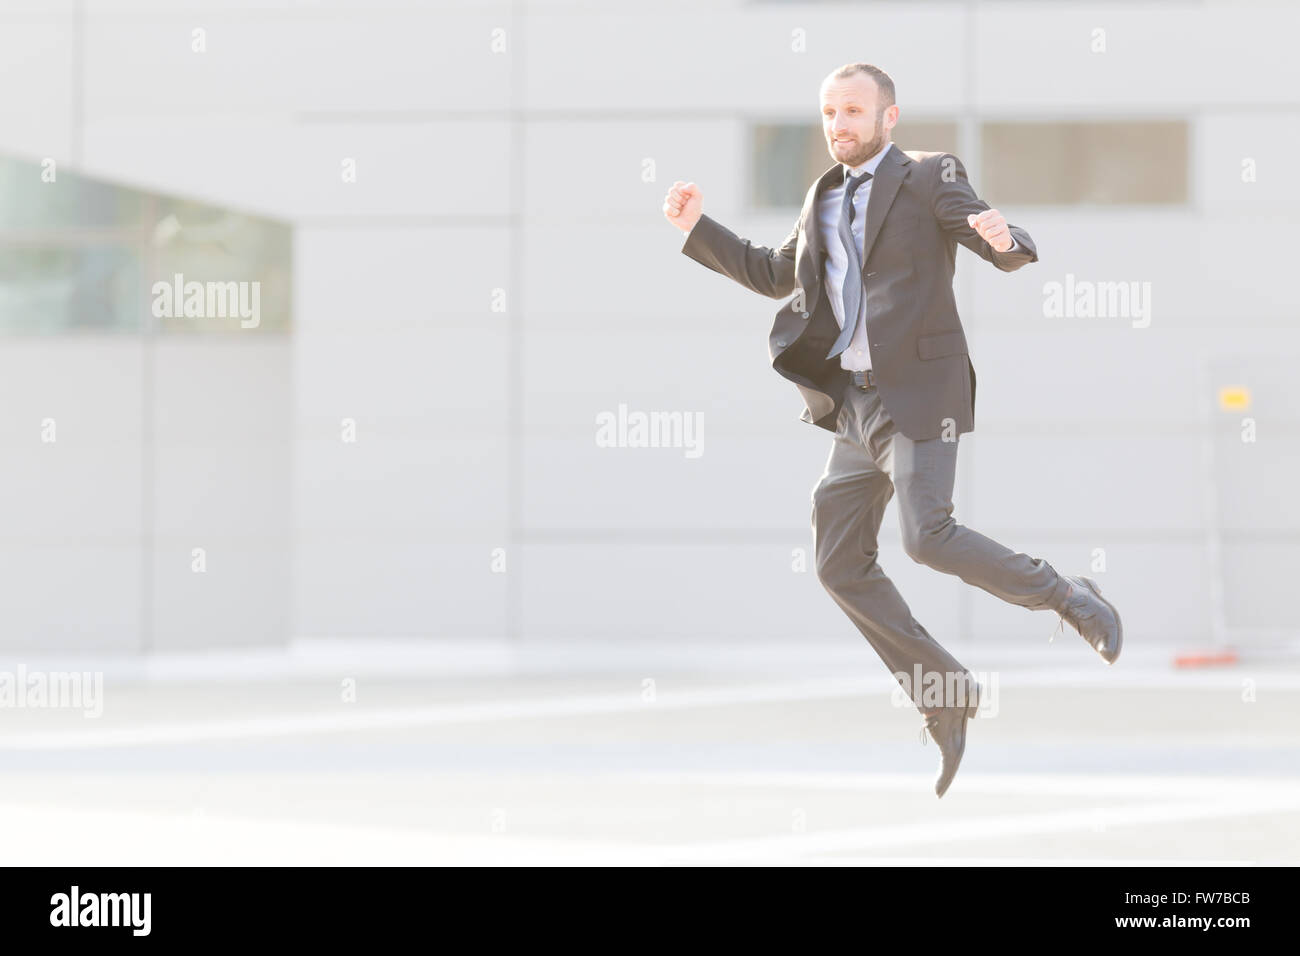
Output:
(1206, 658)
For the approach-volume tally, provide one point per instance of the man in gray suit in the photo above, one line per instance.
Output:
(876, 242)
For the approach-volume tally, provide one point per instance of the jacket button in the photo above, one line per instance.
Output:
(870, 274)
(805, 314)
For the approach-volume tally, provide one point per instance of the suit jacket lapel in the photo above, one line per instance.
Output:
(811, 212)
(884, 187)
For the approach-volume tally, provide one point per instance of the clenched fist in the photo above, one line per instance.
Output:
(992, 228)
(682, 205)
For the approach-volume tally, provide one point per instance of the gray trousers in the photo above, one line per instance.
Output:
(870, 460)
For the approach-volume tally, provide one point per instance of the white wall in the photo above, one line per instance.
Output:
(523, 172)
(122, 458)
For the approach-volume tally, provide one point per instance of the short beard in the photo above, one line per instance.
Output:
(878, 140)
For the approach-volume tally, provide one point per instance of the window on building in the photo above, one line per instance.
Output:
(1085, 163)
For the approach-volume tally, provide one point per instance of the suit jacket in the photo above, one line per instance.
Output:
(916, 215)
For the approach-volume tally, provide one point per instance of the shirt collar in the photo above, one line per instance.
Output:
(868, 167)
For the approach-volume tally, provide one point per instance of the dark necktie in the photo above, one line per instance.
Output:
(853, 275)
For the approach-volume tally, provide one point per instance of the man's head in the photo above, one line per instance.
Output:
(858, 112)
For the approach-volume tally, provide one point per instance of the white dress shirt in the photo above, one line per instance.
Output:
(858, 354)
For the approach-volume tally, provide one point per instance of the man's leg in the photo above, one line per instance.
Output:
(923, 473)
(848, 504)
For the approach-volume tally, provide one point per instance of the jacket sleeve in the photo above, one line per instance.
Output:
(767, 271)
(952, 199)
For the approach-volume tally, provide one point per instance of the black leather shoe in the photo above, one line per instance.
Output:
(1093, 617)
(948, 728)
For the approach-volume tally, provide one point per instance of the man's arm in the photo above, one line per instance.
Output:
(953, 201)
(768, 272)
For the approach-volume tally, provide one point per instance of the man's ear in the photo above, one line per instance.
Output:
(891, 117)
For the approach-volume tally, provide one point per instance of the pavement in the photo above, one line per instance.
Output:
(392, 754)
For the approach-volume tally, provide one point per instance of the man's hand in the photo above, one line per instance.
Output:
(992, 228)
(682, 206)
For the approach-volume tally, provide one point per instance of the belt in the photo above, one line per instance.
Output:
(864, 379)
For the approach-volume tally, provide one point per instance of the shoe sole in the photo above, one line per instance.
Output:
(1119, 625)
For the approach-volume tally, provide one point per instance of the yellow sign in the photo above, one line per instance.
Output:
(1234, 398)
